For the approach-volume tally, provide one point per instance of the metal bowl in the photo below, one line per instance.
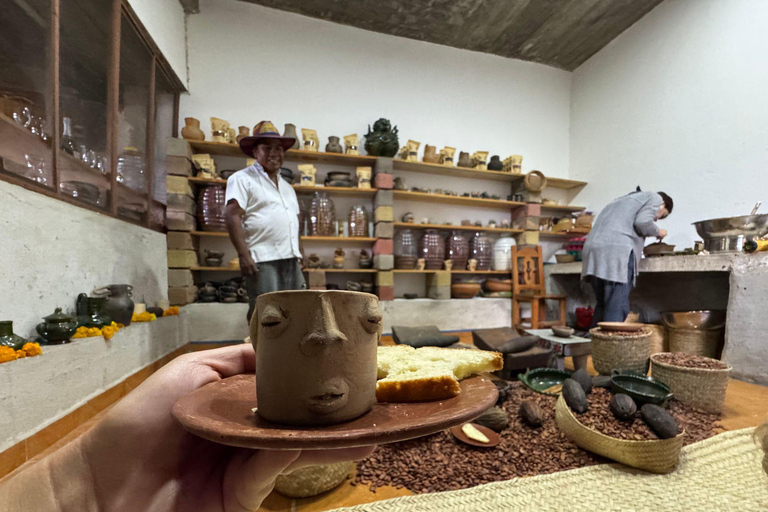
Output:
(730, 233)
(702, 320)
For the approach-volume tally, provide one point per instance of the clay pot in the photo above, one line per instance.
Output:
(497, 285)
(244, 132)
(192, 129)
(432, 250)
(495, 164)
(119, 304)
(464, 290)
(57, 328)
(430, 155)
(290, 131)
(457, 249)
(365, 260)
(315, 355)
(214, 258)
(333, 145)
(464, 160)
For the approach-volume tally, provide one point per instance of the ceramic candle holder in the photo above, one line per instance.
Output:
(315, 355)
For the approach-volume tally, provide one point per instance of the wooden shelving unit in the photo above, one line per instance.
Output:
(564, 209)
(219, 234)
(458, 272)
(458, 200)
(292, 155)
(445, 227)
(339, 191)
(334, 239)
(215, 269)
(343, 270)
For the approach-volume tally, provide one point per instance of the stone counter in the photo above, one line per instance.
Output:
(737, 282)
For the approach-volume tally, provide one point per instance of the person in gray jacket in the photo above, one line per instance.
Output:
(614, 247)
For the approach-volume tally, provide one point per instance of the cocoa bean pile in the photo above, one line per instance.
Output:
(441, 463)
(690, 361)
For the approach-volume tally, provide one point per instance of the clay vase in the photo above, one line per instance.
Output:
(192, 129)
(333, 145)
(316, 355)
(244, 132)
(290, 131)
(119, 304)
(430, 155)
(464, 160)
(495, 164)
(457, 249)
(8, 338)
(432, 249)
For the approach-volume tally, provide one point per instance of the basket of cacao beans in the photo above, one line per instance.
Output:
(613, 426)
(695, 380)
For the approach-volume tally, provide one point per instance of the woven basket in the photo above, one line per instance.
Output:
(701, 388)
(623, 352)
(654, 455)
(659, 338)
(313, 480)
(696, 341)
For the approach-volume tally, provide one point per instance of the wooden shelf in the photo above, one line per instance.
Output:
(446, 170)
(569, 209)
(215, 269)
(340, 191)
(564, 235)
(444, 227)
(564, 183)
(458, 272)
(220, 234)
(343, 270)
(339, 239)
(203, 181)
(460, 200)
(292, 155)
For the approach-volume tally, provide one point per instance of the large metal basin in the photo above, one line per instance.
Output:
(730, 233)
(702, 320)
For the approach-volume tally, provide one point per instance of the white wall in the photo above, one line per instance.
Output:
(165, 22)
(249, 63)
(678, 103)
(51, 251)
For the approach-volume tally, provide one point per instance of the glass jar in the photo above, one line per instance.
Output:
(457, 250)
(502, 251)
(481, 249)
(358, 221)
(432, 249)
(405, 249)
(303, 214)
(322, 216)
(130, 168)
(211, 208)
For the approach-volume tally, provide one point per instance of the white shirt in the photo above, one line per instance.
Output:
(271, 220)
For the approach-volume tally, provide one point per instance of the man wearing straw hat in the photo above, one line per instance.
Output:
(613, 248)
(263, 217)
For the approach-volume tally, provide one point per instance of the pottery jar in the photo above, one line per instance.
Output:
(7, 338)
(322, 216)
(244, 131)
(358, 221)
(315, 355)
(405, 249)
(333, 145)
(192, 129)
(502, 252)
(210, 208)
(95, 315)
(432, 249)
(481, 249)
(119, 304)
(57, 328)
(464, 160)
(457, 249)
(290, 131)
(495, 164)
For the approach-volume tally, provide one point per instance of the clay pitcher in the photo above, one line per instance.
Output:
(290, 131)
(316, 355)
(119, 303)
(244, 131)
(192, 129)
(333, 145)
(430, 155)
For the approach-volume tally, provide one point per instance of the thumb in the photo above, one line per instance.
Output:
(251, 476)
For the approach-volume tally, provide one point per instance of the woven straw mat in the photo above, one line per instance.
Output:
(721, 474)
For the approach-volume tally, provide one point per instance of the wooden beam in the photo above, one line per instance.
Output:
(113, 94)
(151, 118)
(55, 79)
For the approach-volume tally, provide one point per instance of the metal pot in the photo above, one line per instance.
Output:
(700, 320)
(729, 234)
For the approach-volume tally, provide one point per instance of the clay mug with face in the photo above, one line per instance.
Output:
(315, 355)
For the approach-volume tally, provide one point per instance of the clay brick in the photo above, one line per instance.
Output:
(383, 246)
(439, 292)
(178, 278)
(529, 210)
(526, 223)
(181, 203)
(180, 240)
(385, 278)
(385, 292)
(383, 262)
(179, 185)
(179, 166)
(383, 181)
(180, 221)
(382, 230)
(182, 295)
(178, 147)
(316, 278)
(384, 165)
(182, 259)
(528, 238)
(383, 198)
(384, 214)
(439, 278)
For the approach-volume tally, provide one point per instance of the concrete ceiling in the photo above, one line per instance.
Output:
(559, 33)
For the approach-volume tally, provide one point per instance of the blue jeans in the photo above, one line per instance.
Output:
(273, 276)
(613, 298)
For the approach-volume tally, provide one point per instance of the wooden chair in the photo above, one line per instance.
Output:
(528, 286)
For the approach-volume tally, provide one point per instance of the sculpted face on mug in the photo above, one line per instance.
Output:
(315, 355)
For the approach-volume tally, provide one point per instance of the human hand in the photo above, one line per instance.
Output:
(248, 266)
(662, 234)
(142, 459)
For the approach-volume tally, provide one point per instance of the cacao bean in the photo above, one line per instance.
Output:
(574, 396)
(531, 413)
(660, 421)
(494, 418)
(584, 379)
(623, 407)
(601, 381)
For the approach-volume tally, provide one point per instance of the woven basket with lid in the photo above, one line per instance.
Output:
(626, 352)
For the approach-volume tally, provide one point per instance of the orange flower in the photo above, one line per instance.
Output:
(171, 311)
(32, 349)
(7, 354)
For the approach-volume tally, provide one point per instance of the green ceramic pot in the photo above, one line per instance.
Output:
(7, 338)
(57, 328)
(95, 315)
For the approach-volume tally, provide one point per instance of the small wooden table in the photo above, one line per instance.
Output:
(576, 347)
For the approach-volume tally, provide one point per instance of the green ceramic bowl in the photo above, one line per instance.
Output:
(642, 389)
(540, 379)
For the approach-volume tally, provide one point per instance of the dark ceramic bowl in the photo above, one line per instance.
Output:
(642, 389)
(540, 379)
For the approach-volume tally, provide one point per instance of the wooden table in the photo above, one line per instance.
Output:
(574, 346)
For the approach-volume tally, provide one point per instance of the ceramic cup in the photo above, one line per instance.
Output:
(315, 355)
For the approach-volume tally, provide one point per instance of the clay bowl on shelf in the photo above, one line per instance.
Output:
(464, 290)
(562, 331)
(565, 258)
(497, 285)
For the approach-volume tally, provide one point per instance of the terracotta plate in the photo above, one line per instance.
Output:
(222, 412)
(620, 326)
(492, 436)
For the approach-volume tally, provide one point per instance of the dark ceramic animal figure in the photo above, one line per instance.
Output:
(382, 141)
